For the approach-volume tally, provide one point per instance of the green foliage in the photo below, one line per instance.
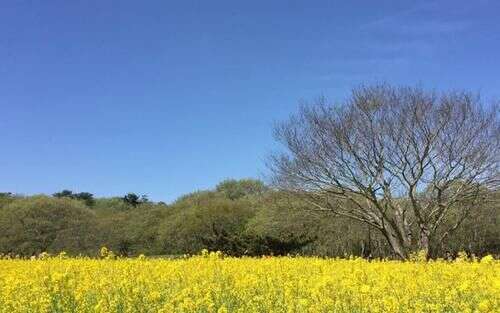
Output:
(237, 217)
(38, 224)
(64, 194)
(220, 221)
(234, 189)
(286, 218)
(132, 231)
(134, 200)
(86, 197)
(206, 220)
(110, 205)
(6, 198)
(131, 199)
(479, 234)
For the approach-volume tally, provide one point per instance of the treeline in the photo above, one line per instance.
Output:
(239, 217)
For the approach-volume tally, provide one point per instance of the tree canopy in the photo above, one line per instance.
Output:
(411, 163)
(267, 222)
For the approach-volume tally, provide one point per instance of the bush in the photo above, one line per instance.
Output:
(42, 224)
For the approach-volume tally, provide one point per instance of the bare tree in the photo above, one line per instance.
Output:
(409, 162)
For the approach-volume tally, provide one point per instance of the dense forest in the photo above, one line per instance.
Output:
(239, 217)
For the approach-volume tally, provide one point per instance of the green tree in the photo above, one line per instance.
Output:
(6, 198)
(206, 220)
(235, 189)
(132, 231)
(86, 197)
(37, 224)
(288, 220)
(63, 194)
(134, 200)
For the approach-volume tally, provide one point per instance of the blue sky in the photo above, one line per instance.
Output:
(164, 98)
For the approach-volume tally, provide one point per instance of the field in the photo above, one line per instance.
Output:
(212, 283)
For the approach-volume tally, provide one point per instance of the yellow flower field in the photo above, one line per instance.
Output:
(215, 284)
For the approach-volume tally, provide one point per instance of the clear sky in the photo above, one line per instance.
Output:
(164, 98)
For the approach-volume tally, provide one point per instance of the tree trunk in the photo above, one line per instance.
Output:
(397, 245)
(424, 240)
